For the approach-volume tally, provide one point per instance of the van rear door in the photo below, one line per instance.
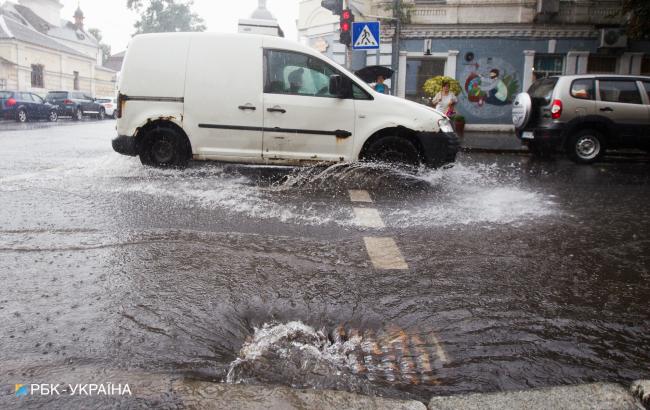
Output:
(223, 97)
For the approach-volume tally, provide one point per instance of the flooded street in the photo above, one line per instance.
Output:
(520, 273)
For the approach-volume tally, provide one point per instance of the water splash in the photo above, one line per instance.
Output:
(354, 359)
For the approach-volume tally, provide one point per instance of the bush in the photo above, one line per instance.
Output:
(434, 85)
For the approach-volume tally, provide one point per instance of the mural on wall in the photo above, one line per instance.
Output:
(490, 85)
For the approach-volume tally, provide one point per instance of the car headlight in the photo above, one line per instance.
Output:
(445, 125)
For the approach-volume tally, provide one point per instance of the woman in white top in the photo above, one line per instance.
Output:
(445, 100)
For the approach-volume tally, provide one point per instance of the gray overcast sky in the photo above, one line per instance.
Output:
(116, 21)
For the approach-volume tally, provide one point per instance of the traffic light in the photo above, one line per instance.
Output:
(346, 26)
(335, 6)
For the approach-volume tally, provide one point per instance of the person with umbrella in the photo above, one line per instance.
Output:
(376, 74)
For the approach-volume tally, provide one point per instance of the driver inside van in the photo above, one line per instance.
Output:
(295, 81)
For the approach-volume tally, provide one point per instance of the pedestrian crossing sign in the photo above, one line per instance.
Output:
(365, 35)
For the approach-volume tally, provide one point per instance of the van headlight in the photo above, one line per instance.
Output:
(445, 125)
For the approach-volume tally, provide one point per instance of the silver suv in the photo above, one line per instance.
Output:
(584, 115)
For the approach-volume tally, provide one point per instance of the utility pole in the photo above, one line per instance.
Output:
(348, 48)
(397, 6)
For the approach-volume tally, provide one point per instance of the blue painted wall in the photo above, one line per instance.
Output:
(478, 103)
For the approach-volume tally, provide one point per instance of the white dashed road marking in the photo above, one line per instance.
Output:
(360, 196)
(369, 218)
(384, 253)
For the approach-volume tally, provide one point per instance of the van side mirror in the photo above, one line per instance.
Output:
(340, 86)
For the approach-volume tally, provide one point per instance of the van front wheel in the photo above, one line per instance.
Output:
(394, 150)
(164, 147)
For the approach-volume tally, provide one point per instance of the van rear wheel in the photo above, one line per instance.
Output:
(164, 147)
(394, 150)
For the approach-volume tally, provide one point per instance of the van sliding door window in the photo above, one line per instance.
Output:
(296, 74)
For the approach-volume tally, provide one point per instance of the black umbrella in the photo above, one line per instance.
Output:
(369, 74)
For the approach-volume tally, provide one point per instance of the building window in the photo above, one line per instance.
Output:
(601, 64)
(645, 66)
(3, 83)
(76, 80)
(37, 76)
(547, 65)
(419, 70)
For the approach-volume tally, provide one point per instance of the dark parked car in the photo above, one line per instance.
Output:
(76, 104)
(24, 106)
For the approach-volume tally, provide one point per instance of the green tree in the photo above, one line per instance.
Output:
(106, 49)
(638, 14)
(400, 10)
(164, 16)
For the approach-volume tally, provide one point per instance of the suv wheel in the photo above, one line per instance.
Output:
(164, 148)
(102, 114)
(586, 146)
(394, 150)
(78, 114)
(53, 117)
(21, 116)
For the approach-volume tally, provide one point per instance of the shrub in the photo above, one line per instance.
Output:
(434, 85)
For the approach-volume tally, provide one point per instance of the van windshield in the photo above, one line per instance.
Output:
(542, 90)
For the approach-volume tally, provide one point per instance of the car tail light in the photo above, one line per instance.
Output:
(67, 102)
(556, 109)
(10, 102)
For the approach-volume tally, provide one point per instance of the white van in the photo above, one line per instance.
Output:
(264, 100)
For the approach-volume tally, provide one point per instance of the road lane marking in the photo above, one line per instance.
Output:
(359, 195)
(368, 217)
(384, 253)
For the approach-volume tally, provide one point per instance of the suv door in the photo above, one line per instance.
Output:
(620, 101)
(302, 120)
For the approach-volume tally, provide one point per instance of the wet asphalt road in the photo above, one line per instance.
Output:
(520, 273)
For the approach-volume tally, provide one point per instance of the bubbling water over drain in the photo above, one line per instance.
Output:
(344, 358)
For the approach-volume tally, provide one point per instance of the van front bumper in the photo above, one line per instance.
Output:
(440, 148)
(125, 145)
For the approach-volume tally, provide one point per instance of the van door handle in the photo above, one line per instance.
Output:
(277, 109)
(607, 109)
(247, 107)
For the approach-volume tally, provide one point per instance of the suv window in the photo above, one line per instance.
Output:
(295, 73)
(583, 89)
(647, 88)
(619, 91)
(542, 89)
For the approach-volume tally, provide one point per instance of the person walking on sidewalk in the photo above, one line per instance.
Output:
(445, 100)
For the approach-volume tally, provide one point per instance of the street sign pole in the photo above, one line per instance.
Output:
(397, 4)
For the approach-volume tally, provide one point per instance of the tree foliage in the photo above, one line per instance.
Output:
(400, 10)
(638, 14)
(164, 16)
(106, 49)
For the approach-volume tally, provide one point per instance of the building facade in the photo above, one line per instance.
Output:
(40, 52)
(494, 48)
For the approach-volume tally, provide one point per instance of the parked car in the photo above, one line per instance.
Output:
(109, 104)
(24, 106)
(274, 102)
(76, 104)
(584, 115)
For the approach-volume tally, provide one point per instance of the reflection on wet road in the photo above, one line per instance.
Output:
(520, 273)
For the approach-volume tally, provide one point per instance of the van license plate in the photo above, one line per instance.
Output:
(528, 135)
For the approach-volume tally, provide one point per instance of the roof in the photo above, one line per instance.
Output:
(5, 61)
(66, 31)
(12, 29)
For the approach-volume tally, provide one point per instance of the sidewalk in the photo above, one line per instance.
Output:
(483, 141)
